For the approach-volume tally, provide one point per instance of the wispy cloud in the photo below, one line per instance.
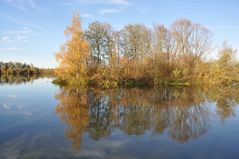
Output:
(5, 39)
(21, 38)
(108, 11)
(86, 15)
(25, 23)
(13, 36)
(143, 10)
(11, 49)
(23, 31)
(25, 5)
(225, 27)
(116, 2)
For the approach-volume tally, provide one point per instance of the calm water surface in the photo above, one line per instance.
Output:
(41, 121)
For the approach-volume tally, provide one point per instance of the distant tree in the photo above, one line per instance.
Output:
(18, 69)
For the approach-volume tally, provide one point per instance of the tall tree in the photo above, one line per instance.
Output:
(73, 54)
(163, 43)
(193, 41)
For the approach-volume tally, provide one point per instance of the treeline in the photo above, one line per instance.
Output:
(10, 70)
(139, 55)
(16, 68)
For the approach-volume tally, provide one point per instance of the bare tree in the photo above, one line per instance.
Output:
(193, 41)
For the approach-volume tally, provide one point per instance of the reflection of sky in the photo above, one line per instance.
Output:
(31, 129)
(23, 105)
(27, 97)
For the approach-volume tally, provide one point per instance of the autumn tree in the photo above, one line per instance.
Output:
(224, 70)
(73, 55)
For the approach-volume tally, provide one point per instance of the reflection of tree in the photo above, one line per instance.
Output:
(100, 116)
(226, 99)
(180, 112)
(188, 123)
(73, 111)
(136, 119)
(15, 79)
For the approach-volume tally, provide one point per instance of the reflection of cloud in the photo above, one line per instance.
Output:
(6, 106)
(113, 144)
(12, 96)
(90, 153)
(18, 109)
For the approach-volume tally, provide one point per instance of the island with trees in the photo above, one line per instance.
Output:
(138, 55)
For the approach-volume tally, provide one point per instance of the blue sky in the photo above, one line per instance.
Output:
(32, 31)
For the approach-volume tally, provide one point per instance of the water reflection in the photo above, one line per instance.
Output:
(182, 113)
(12, 79)
(226, 99)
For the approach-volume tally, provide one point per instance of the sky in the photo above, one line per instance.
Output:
(31, 31)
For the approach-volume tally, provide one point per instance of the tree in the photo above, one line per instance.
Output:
(224, 70)
(99, 36)
(73, 55)
(136, 41)
(192, 41)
